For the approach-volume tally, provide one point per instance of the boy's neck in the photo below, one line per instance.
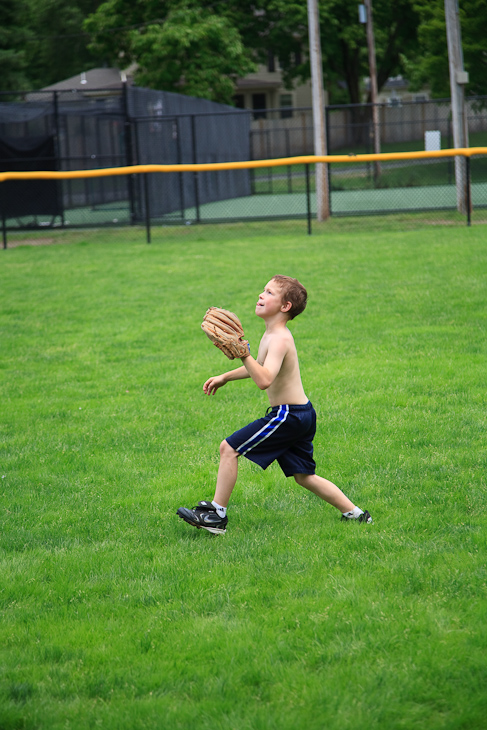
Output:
(277, 321)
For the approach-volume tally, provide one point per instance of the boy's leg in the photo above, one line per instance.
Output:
(212, 516)
(227, 474)
(326, 490)
(333, 495)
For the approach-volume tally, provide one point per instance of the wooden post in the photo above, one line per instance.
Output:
(321, 169)
(458, 79)
(373, 85)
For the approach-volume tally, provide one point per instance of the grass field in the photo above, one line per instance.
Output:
(116, 614)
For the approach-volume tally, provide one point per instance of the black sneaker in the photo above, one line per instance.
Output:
(205, 516)
(364, 517)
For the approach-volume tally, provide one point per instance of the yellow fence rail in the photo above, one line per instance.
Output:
(240, 165)
(463, 184)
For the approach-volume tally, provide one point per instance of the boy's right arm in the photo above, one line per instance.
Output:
(216, 381)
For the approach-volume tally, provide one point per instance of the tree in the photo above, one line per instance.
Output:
(110, 26)
(13, 36)
(58, 46)
(191, 50)
(43, 41)
(473, 20)
(262, 26)
(344, 43)
(428, 66)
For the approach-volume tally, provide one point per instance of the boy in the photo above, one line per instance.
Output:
(287, 430)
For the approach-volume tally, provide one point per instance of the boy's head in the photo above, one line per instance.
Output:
(292, 291)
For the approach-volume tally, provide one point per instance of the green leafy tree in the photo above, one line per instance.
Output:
(13, 36)
(281, 27)
(193, 52)
(276, 26)
(190, 49)
(429, 64)
(111, 27)
(344, 42)
(58, 45)
(474, 33)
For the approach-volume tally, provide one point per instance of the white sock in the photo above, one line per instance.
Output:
(354, 514)
(221, 511)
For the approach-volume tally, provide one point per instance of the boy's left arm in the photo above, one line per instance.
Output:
(264, 374)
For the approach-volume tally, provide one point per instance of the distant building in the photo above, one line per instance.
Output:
(264, 90)
(94, 80)
(396, 91)
(258, 92)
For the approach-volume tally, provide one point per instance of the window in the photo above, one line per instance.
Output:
(286, 105)
(259, 105)
(239, 101)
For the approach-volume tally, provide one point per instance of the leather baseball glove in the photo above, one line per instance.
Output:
(225, 331)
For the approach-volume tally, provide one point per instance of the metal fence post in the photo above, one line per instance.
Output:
(57, 152)
(128, 149)
(195, 174)
(147, 206)
(289, 167)
(252, 157)
(179, 160)
(328, 148)
(468, 193)
(308, 199)
(4, 230)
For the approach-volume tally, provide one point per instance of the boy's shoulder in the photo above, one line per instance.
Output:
(281, 335)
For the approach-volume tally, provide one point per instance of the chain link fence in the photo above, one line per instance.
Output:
(69, 131)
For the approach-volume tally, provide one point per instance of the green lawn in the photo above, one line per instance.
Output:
(116, 614)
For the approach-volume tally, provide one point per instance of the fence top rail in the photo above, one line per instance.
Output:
(240, 165)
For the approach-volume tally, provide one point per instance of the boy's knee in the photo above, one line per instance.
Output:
(226, 449)
(301, 479)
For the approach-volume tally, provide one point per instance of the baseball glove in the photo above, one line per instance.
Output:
(225, 331)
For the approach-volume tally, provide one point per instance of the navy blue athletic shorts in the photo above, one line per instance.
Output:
(284, 434)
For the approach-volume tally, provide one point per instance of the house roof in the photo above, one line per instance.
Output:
(393, 82)
(95, 78)
(254, 83)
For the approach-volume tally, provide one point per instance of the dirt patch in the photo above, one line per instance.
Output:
(12, 243)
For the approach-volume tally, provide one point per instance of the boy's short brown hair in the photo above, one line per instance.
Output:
(292, 291)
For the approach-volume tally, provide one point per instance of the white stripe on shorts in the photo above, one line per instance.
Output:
(265, 431)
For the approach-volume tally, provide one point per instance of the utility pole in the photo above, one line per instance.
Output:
(458, 79)
(374, 93)
(373, 84)
(319, 125)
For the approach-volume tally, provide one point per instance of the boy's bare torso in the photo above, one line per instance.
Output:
(287, 387)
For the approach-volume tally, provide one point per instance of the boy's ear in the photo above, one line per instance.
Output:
(286, 307)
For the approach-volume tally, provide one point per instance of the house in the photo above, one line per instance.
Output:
(92, 83)
(259, 92)
(396, 91)
(94, 80)
(265, 90)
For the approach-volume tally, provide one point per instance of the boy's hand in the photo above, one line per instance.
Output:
(213, 383)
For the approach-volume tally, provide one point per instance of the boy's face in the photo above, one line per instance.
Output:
(270, 301)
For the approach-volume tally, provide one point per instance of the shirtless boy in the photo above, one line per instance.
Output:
(287, 430)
